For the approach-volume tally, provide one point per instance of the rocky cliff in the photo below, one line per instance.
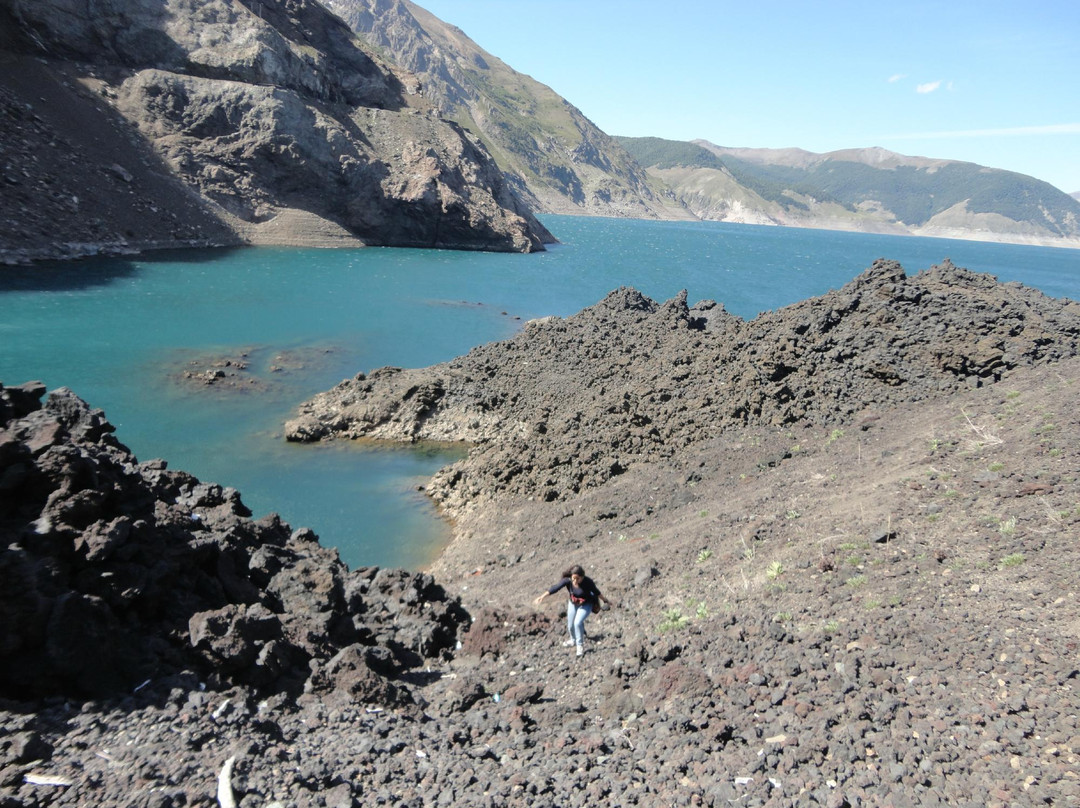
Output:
(168, 123)
(553, 156)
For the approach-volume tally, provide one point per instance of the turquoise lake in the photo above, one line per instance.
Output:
(120, 332)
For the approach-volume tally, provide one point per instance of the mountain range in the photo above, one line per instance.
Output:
(868, 189)
(166, 123)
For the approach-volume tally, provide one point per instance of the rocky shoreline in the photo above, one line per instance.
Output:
(567, 405)
(841, 548)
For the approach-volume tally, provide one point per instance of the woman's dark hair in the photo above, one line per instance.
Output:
(574, 570)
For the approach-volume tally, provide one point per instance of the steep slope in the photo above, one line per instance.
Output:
(229, 121)
(554, 157)
(861, 189)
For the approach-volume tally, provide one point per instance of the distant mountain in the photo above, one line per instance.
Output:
(870, 190)
(553, 156)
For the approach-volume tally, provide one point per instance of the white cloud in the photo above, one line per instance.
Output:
(896, 77)
(928, 87)
(1049, 129)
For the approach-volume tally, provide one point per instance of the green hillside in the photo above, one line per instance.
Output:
(901, 190)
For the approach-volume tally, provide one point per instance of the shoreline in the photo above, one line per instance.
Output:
(307, 231)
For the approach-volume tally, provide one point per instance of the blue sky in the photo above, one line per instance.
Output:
(995, 83)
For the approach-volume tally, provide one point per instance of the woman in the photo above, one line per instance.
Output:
(585, 597)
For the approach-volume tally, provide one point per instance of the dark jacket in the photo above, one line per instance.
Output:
(588, 592)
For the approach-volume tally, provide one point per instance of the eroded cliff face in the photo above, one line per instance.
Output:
(266, 118)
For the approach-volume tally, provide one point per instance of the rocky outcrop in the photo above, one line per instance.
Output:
(567, 405)
(278, 126)
(117, 572)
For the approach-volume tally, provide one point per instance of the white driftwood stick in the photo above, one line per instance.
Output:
(224, 785)
(45, 780)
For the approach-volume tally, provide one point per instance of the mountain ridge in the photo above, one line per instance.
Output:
(868, 189)
(552, 154)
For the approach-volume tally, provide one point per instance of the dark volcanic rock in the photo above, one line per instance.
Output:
(115, 572)
(865, 604)
(570, 404)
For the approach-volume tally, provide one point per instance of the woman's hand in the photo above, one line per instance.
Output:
(540, 598)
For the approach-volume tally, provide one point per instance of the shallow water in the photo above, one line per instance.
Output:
(121, 333)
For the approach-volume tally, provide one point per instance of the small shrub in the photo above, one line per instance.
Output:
(996, 466)
(774, 571)
(834, 436)
(704, 556)
(1007, 527)
(1013, 560)
(673, 620)
(782, 617)
(832, 627)
(855, 581)
(792, 514)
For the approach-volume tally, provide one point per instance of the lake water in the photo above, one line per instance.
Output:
(120, 332)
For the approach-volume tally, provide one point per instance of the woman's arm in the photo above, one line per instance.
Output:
(553, 590)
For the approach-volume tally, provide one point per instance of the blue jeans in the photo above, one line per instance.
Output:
(575, 620)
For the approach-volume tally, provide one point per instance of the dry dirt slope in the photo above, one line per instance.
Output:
(842, 538)
(881, 613)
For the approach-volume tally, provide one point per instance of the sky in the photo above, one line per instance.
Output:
(989, 82)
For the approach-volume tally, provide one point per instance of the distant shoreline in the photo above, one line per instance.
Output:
(309, 238)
